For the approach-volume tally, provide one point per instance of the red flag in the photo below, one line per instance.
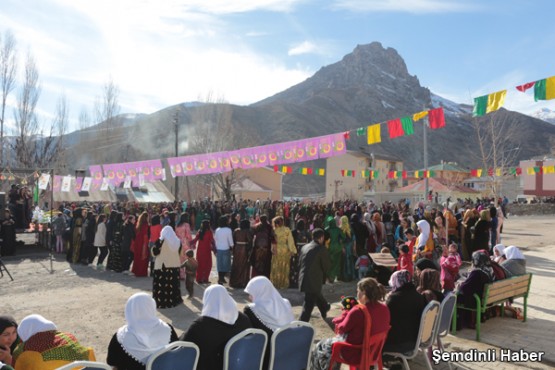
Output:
(404, 174)
(276, 168)
(309, 171)
(526, 86)
(436, 118)
(519, 171)
(474, 173)
(347, 135)
(353, 173)
(343, 173)
(395, 128)
(490, 171)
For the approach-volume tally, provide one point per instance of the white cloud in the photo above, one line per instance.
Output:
(306, 47)
(408, 6)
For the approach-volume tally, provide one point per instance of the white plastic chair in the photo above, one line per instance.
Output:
(245, 351)
(175, 356)
(86, 365)
(426, 336)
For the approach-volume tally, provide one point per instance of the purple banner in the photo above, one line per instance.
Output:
(78, 184)
(57, 184)
(96, 173)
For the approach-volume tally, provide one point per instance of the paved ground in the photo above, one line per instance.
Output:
(90, 303)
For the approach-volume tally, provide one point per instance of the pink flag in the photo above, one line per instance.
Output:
(526, 86)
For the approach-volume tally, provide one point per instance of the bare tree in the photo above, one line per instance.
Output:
(36, 147)
(8, 69)
(498, 143)
(212, 130)
(108, 109)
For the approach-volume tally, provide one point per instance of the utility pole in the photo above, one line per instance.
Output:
(176, 128)
(425, 135)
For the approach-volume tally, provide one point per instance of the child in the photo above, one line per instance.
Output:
(405, 260)
(362, 264)
(411, 241)
(190, 266)
(450, 264)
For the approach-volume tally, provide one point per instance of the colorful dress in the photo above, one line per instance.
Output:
(49, 350)
(281, 259)
(204, 256)
(141, 252)
(240, 268)
(183, 232)
(335, 248)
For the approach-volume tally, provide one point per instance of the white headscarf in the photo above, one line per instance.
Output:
(500, 248)
(171, 240)
(144, 333)
(218, 304)
(268, 305)
(513, 253)
(424, 233)
(32, 325)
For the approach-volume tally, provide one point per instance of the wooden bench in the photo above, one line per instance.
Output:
(497, 293)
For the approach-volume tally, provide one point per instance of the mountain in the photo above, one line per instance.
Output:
(545, 114)
(370, 85)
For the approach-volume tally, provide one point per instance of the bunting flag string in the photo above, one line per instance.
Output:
(488, 103)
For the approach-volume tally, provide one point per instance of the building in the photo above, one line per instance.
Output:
(540, 184)
(449, 171)
(258, 183)
(342, 184)
(444, 189)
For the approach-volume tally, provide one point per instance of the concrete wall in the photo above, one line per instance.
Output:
(531, 209)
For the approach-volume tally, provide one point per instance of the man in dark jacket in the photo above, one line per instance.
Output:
(314, 266)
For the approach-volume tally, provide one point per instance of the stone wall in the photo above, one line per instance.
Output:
(531, 209)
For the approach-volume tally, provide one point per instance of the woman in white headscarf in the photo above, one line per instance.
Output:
(166, 289)
(144, 334)
(220, 320)
(424, 243)
(515, 264)
(499, 253)
(44, 347)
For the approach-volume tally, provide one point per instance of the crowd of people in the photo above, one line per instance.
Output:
(304, 246)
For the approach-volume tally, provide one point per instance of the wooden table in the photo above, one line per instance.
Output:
(383, 259)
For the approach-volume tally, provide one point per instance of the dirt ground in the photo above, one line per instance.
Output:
(90, 303)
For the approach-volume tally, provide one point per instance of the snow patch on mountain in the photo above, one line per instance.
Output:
(545, 114)
(450, 107)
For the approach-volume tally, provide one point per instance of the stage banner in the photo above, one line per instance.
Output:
(273, 154)
(261, 156)
(57, 185)
(300, 150)
(109, 173)
(338, 144)
(311, 147)
(157, 167)
(175, 167)
(214, 162)
(325, 146)
(87, 181)
(44, 179)
(105, 183)
(96, 173)
(66, 183)
(127, 182)
(78, 184)
(235, 159)
(201, 165)
(247, 158)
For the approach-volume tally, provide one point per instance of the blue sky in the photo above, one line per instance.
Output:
(163, 52)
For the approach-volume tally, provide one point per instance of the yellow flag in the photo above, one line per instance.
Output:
(498, 172)
(479, 172)
(550, 88)
(550, 169)
(496, 101)
(418, 116)
(530, 171)
(374, 134)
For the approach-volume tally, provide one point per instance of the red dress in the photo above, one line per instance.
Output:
(141, 254)
(204, 256)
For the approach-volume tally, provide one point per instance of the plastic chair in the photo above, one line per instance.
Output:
(175, 356)
(291, 345)
(446, 310)
(245, 351)
(426, 336)
(371, 348)
(86, 365)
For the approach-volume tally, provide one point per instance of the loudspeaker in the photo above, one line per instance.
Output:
(3, 205)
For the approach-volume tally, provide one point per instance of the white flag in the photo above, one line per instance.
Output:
(104, 185)
(163, 174)
(141, 180)
(66, 183)
(127, 182)
(86, 184)
(44, 179)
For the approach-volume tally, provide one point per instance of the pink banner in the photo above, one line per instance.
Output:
(57, 185)
(339, 146)
(247, 158)
(175, 167)
(96, 173)
(311, 147)
(78, 184)
(235, 159)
